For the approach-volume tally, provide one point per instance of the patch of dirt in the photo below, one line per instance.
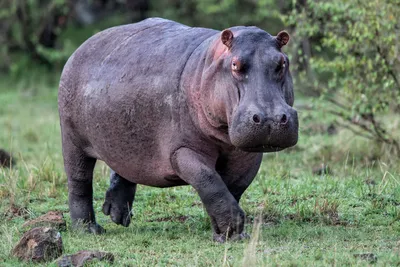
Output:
(39, 244)
(180, 219)
(53, 219)
(84, 256)
(15, 211)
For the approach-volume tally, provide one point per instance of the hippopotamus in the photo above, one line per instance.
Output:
(164, 104)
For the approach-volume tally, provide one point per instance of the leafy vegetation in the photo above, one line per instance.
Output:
(32, 26)
(354, 62)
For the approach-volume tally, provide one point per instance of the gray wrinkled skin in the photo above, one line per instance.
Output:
(164, 105)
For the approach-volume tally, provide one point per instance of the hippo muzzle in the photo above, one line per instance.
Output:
(264, 129)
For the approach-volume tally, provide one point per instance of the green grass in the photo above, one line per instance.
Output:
(295, 218)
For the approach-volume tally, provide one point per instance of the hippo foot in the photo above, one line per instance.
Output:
(91, 227)
(118, 208)
(120, 213)
(119, 199)
(222, 238)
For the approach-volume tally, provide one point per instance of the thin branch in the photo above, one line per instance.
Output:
(377, 132)
(333, 101)
(380, 132)
(350, 120)
(358, 133)
(390, 70)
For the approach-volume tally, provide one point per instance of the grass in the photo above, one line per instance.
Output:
(295, 218)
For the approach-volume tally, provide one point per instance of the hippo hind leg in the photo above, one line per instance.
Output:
(79, 168)
(119, 199)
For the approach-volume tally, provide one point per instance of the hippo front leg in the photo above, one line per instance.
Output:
(227, 217)
(241, 173)
(119, 199)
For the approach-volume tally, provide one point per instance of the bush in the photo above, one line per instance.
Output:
(353, 62)
(32, 27)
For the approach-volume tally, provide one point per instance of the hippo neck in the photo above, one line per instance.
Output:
(198, 91)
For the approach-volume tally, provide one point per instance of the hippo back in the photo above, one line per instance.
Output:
(154, 48)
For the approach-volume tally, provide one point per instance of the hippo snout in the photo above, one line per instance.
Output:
(262, 130)
(281, 118)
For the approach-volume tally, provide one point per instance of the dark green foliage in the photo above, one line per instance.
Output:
(35, 28)
(352, 60)
(32, 27)
(222, 14)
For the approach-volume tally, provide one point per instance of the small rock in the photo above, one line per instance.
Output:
(81, 257)
(371, 257)
(5, 159)
(38, 245)
(54, 219)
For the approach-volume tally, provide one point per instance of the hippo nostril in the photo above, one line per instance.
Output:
(281, 119)
(284, 119)
(256, 118)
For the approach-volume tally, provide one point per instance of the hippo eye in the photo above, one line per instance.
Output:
(281, 67)
(235, 66)
(282, 63)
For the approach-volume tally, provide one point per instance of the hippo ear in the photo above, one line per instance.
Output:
(227, 38)
(282, 38)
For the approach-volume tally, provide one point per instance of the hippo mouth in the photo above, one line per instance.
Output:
(262, 148)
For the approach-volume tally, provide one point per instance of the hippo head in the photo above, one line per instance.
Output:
(253, 90)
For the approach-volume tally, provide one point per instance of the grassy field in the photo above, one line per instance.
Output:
(295, 217)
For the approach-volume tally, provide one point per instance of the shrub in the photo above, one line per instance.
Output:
(353, 61)
(32, 27)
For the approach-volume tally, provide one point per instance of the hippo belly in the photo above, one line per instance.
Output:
(130, 141)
